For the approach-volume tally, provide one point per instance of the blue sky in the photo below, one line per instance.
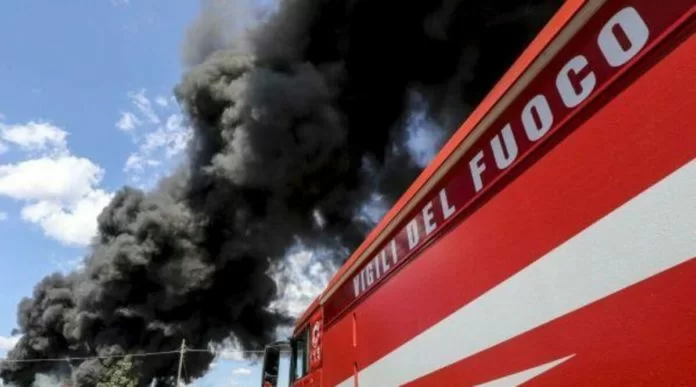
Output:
(86, 106)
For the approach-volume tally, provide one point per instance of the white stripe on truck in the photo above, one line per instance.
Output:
(518, 378)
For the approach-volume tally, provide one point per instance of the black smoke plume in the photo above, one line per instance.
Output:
(296, 125)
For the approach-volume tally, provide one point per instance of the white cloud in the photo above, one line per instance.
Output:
(64, 178)
(8, 342)
(160, 140)
(73, 223)
(136, 162)
(128, 122)
(304, 277)
(47, 380)
(241, 371)
(231, 354)
(69, 265)
(159, 148)
(4, 216)
(425, 137)
(143, 104)
(35, 136)
(171, 138)
(59, 191)
(162, 101)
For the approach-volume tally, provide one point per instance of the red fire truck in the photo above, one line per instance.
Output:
(551, 242)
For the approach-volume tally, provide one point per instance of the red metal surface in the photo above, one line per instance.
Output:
(633, 131)
(312, 379)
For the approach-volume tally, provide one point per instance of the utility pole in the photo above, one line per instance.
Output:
(73, 377)
(181, 362)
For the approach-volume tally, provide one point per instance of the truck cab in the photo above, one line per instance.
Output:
(305, 354)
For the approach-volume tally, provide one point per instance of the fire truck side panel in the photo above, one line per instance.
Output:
(641, 335)
(340, 353)
(577, 266)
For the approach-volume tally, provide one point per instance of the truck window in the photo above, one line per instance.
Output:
(300, 355)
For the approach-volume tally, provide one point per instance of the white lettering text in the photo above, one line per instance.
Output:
(429, 218)
(574, 91)
(369, 274)
(504, 157)
(537, 118)
(477, 168)
(447, 209)
(623, 36)
(385, 263)
(413, 236)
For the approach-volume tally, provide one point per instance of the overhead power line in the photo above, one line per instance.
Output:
(68, 358)
(140, 354)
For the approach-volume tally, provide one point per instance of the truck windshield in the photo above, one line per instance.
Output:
(299, 366)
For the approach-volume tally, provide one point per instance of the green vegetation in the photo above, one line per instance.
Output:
(119, 374)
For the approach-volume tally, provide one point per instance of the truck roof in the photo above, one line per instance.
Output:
(543, 46)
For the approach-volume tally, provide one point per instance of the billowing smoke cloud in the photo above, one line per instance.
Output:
(42, 380)
(298, 127)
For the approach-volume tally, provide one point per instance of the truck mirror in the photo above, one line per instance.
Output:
(271, 363)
